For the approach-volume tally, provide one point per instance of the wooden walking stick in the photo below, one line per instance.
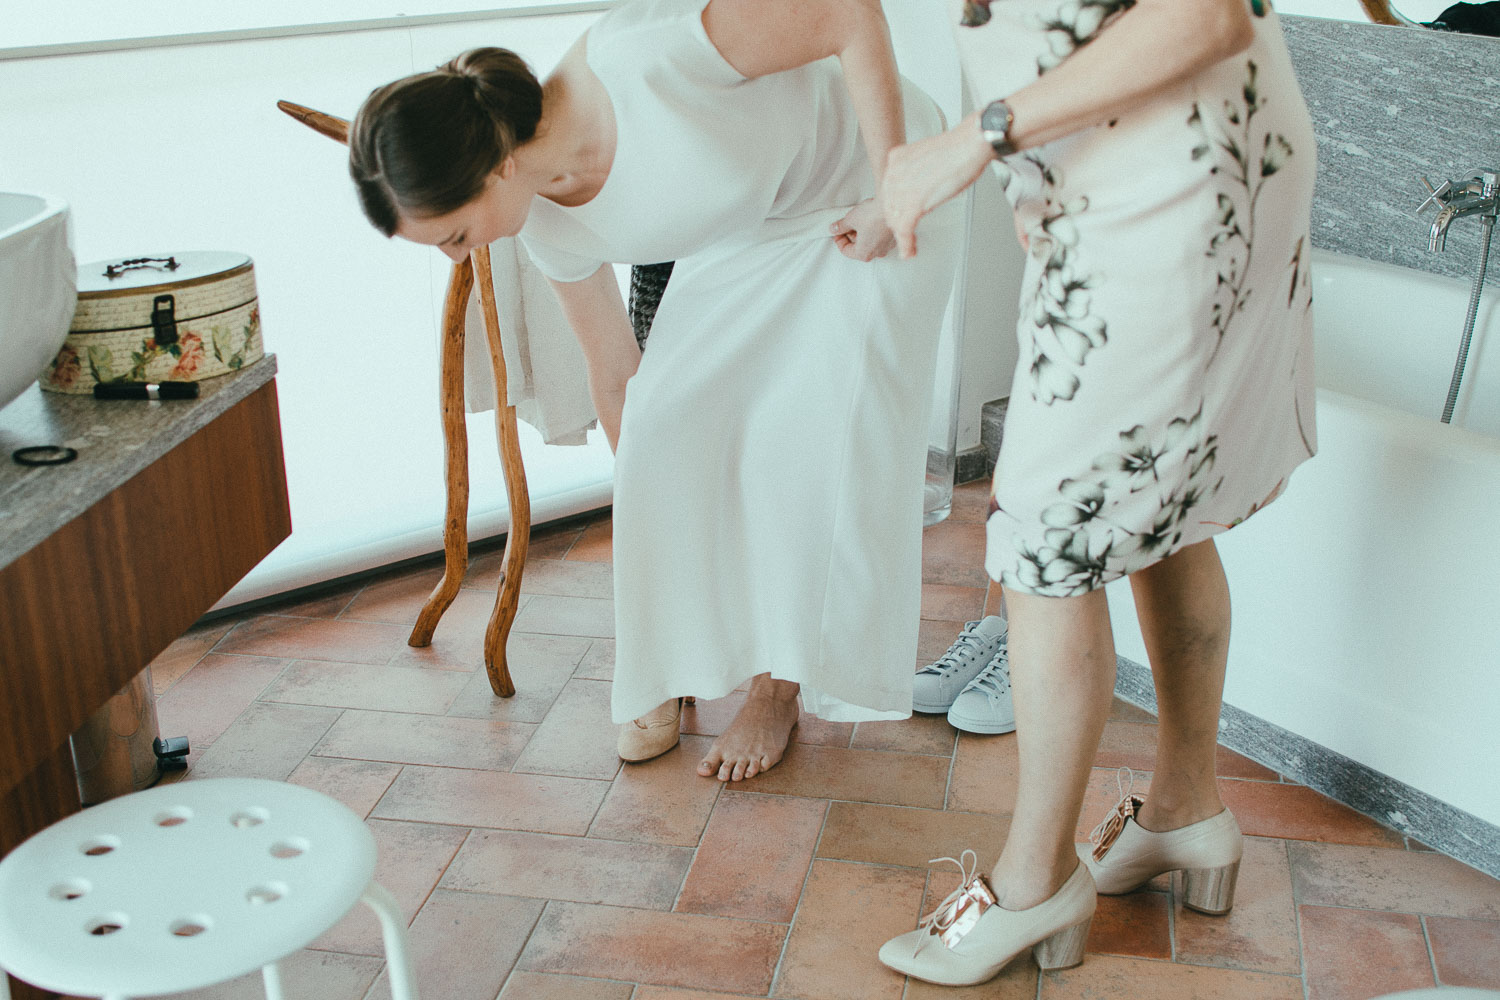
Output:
(1381, 12)
(456, 453)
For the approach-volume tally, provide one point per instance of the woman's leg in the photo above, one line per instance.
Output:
(1183, 606)
(757, 738)
(1062, 674)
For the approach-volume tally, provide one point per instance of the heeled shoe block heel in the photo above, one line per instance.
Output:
(1126, 856)
(1064, 949)
(1210, 890)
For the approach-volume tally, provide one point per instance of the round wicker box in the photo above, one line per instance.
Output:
(184, 317)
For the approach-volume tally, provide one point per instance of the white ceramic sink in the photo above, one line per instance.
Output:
(38, 287)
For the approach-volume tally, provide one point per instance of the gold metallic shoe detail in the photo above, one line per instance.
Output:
(1126, 855)
(957, 915)
(1109, 829)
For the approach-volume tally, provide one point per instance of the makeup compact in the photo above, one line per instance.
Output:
(167, 318)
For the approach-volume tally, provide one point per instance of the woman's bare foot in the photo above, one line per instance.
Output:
(757, 738)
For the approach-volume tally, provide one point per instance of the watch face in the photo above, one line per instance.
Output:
(996, 120)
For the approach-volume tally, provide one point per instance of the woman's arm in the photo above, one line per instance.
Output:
(1152, 47)
(596, 312)
(759, 37)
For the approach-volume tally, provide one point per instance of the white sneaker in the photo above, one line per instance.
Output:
(984, 705)
(940, 682)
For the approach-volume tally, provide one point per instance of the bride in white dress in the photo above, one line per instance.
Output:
(770, 444)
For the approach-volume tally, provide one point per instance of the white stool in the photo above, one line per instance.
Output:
(188, 885)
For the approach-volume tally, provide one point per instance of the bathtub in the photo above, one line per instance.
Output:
(1366, 600)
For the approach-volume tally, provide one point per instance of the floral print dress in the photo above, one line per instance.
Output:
(1164, 391)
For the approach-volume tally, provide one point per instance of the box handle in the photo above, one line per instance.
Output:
(115, 270)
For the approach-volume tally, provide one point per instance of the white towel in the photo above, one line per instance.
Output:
(548, 383)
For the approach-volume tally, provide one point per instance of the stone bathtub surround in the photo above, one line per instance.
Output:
(1390, 105)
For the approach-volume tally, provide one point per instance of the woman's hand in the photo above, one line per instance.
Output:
(922, 175)
(863, 234)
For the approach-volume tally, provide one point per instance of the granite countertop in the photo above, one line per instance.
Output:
(115, 439)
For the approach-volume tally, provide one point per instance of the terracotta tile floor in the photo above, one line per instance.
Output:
(531, 864)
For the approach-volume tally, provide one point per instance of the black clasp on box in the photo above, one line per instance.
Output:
(164, 320)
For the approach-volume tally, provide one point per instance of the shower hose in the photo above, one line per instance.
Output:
(1488, 223)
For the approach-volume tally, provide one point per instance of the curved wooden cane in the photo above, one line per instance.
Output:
(1381, 12)
(518, 539)
(456, 449)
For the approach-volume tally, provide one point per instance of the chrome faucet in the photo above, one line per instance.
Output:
(1474, 195)
(1477, 194)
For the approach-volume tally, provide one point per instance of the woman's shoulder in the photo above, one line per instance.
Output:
(633, 17)
(640, 34)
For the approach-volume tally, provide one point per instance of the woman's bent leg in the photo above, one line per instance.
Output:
(1062, 663)
(1183, 606)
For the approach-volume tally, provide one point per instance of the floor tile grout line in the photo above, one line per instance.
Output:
(801, 896)
(521, 951)
(254, 702)
(1427, 941)
(432, 889)
(688, 871)
(1297, 919)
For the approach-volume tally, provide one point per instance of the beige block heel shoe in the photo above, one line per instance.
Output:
(1125, 856)
(654, 733)
(969, 939)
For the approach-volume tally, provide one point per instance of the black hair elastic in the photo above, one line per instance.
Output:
(44, 454)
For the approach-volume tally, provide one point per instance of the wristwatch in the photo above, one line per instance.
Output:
(995, 123)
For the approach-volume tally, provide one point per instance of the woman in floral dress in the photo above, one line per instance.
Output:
(1160, 160)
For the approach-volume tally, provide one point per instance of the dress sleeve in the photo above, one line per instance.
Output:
(559, 264)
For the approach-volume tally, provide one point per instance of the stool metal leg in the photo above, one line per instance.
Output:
(393, 930)
(272, 975)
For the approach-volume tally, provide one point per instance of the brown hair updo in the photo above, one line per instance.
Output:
(425, 144)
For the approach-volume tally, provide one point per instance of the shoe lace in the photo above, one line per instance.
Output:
(1112, 825)
(956, 915)
(968, 641)
(994, 679)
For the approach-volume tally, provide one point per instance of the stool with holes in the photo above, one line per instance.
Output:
(188, 885)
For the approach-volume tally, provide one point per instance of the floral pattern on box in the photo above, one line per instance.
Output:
(216, 346)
